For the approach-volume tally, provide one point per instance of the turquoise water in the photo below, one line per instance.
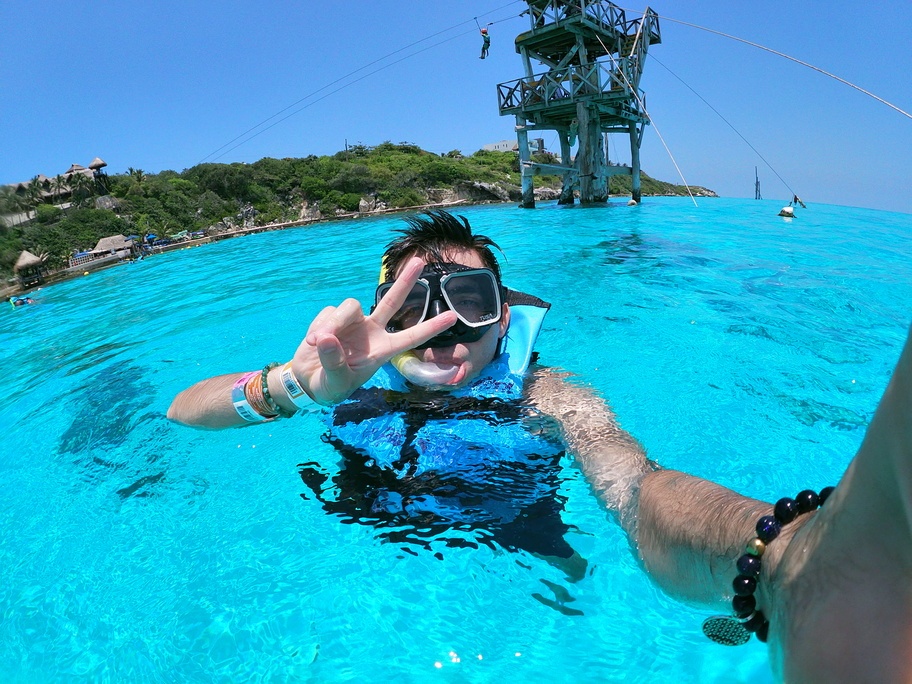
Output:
(734, 344)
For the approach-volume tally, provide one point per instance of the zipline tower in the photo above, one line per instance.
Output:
(595, 57)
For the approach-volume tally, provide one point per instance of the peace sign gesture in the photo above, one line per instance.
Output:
(344, 348)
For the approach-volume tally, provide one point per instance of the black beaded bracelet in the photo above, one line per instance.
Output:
(735, 630)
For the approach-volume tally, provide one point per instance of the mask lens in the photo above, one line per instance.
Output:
(473, 296)
(413, 309)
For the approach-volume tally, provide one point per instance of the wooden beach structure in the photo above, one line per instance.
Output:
(111, 249)
(593, 56)
(30, 269)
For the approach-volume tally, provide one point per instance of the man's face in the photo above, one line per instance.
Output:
(470, 357)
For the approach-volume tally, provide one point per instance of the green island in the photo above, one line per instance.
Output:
(55, 219)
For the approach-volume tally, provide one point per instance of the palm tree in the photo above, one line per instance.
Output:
(82, 188)
(138, 176)
(8, 201)
(16, 205)
(22, 204)
(33, 195)
(60, 187)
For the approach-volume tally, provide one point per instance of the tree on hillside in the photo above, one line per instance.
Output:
(33, 195)
(60, 187)
(9, 202)
(20, 204)
(137, 178)
(82, 188)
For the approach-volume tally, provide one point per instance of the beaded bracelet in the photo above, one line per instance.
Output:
(267, 398)
(240, 401)
(296, 393)
(735, 630)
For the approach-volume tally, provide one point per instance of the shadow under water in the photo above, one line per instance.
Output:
(110, 407)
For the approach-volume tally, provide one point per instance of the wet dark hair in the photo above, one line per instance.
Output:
(431, 235)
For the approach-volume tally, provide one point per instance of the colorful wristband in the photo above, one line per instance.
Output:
(293, 389)
(253, 390)
(239, 399)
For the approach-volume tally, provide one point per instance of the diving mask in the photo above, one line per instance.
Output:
(473, 294)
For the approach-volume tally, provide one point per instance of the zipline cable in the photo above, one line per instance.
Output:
(352, 73)
(333, 92)
(642, 104)
(757, 152)
(793, 59)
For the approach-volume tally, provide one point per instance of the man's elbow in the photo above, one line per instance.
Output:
(176, 414)
(184, 412)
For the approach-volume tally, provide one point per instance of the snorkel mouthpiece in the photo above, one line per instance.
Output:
(423, 373)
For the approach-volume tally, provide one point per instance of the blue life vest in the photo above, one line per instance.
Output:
(446, 442)
(461, 467)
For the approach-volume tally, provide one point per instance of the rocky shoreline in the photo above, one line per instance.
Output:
(463, 194)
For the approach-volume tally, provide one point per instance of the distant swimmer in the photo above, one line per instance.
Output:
(20, 301)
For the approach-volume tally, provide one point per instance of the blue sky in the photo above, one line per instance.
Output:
(165, 85)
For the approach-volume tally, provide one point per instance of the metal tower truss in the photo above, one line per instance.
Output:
(593, 57)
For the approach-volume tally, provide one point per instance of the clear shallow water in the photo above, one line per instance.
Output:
(734, 344)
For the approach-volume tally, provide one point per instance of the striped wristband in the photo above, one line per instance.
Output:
(293, 389)
(239, 399)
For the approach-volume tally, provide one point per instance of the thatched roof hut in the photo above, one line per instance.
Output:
(29, 268)
(98, 163)
(27, 260)
(74, 168)
(113, 243)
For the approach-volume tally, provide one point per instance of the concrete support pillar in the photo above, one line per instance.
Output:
(525, 171)
(635, 138)
(566, 196)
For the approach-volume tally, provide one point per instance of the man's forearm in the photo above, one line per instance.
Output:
(207, 404)
(610, 458)
(691, 531)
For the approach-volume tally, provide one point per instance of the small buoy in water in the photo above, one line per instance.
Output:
(86, 273)
(788, 212)
(632, 203)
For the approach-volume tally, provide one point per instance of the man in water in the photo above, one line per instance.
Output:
(427, 402)
(832, 591)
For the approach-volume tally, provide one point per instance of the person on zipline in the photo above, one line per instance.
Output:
(485, 44)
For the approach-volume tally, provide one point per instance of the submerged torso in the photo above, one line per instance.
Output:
(475, 466)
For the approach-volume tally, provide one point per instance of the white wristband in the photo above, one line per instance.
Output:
(293, 389)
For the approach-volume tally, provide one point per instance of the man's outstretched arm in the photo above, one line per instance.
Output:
(688, 531)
